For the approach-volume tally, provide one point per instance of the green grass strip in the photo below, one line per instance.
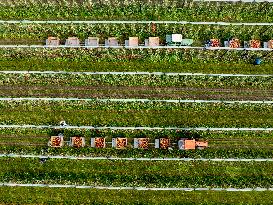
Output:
(160, 114)
(135, 173)
(27, 195)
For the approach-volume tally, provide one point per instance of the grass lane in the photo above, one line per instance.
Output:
(121, 66)
(26, 195)
(136, 114)
(135, 173)
(135, 86)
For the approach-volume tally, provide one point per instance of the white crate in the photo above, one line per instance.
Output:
(133, 41)
(53, 41)
(153, 41)
(92, 41)
(112, 41)
(176, 38)
(72, 41)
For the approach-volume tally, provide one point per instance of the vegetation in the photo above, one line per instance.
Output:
(154, 114)
(34, 195)
(81, 79)
(135, 86)
(31, 33)
(136, 10)
(135, 173)
(162, 60)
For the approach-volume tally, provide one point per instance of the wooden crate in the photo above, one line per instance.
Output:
(112, 41)
(164, 143)
(72, 41)
(53, 41)
(92, 41)
(98, 142)
(133, 41)
(56, 141)
(255, 44)
(77, 142)
(234, 43)
(119, 143)
(153, 41)
(141, 143)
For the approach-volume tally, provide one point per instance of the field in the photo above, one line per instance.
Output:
(216, 96)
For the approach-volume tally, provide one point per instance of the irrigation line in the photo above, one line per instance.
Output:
(135, 22)
(137, 100)
(135, 188)
(138, 47)
(139, 159)
(138, 128)
(133, 73)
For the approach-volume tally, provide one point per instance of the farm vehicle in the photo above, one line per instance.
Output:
(121, 143)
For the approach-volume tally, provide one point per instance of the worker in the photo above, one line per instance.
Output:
(257, 61)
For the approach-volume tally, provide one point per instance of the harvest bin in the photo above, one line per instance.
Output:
(92, 41)
(163, 143)
(98, 142)
(213, 43)
(56, 141)
(152, 41)
(141, 143)
(112, 41)
(132, 42)
(119, 143)
(77, 142)
(53, 41)
(72, 41)
(252, 44)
